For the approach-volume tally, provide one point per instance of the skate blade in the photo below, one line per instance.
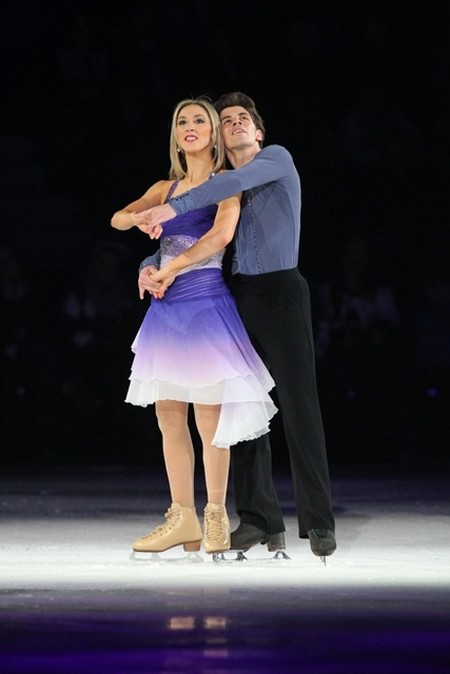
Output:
(219, 558)
(155, 558)
(279, 556)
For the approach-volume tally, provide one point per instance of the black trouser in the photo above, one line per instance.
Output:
(276, 312)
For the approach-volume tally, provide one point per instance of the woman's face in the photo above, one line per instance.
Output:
(194, 129)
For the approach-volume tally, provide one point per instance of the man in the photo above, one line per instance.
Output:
(274, 302)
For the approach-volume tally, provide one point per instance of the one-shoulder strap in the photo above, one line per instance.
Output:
(172, 189)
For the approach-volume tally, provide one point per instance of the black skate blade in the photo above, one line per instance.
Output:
(219, 558)
(279, 557)
(280, 554)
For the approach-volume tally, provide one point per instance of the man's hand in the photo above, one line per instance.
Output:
(164, 280)
(149, 221)
(153, 232)
(146, 283)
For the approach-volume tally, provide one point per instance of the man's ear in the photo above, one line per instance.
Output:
(259, 135)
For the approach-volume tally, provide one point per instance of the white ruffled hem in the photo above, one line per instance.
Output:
(246, 408)
(242, 421)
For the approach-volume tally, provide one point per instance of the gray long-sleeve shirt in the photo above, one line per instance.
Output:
(267, 238)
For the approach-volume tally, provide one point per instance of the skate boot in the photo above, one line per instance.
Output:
(248, 535)
(276, 542)
(323, 543)
(216, 527)
(181, 528)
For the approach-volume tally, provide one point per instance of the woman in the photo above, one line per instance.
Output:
(192, 346)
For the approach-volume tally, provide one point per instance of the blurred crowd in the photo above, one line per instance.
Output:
(383, 372)
(353, 90)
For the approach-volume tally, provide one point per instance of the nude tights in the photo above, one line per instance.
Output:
(179, 455)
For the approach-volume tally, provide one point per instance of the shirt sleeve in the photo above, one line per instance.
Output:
(154, 260)
(270, 164)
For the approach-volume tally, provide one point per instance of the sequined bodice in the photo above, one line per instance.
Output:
(183, 231)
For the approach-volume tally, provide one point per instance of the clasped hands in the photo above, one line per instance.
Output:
(151, 279)
(149, 221)
(154, 281)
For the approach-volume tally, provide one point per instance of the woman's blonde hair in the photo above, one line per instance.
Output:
(178, 165)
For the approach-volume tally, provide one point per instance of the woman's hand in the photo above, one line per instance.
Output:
(149, 221)
(146, 283)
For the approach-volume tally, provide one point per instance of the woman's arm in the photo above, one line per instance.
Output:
(219, 236)
(128, 217)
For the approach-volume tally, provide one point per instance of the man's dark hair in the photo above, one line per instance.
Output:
(238, 98)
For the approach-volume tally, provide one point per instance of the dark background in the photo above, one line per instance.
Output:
(355, 90)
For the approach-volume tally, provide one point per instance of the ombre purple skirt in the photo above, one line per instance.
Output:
(192, 346)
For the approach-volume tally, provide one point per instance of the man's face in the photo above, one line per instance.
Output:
(238, 129)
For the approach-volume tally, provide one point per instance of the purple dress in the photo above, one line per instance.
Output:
(192, 345)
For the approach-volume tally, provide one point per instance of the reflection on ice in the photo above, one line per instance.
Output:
(73, 599)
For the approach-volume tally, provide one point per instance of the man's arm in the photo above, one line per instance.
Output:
(152, 260)
(270, 164)
(148, 267)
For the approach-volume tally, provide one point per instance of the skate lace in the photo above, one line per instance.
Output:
(172, 517)
(215, 526)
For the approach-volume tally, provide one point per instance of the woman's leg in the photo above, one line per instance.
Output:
(178, 451)
(216, 460)
(182, 526)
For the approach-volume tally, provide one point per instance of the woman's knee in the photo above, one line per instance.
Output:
(206, 418)
(171, 415)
